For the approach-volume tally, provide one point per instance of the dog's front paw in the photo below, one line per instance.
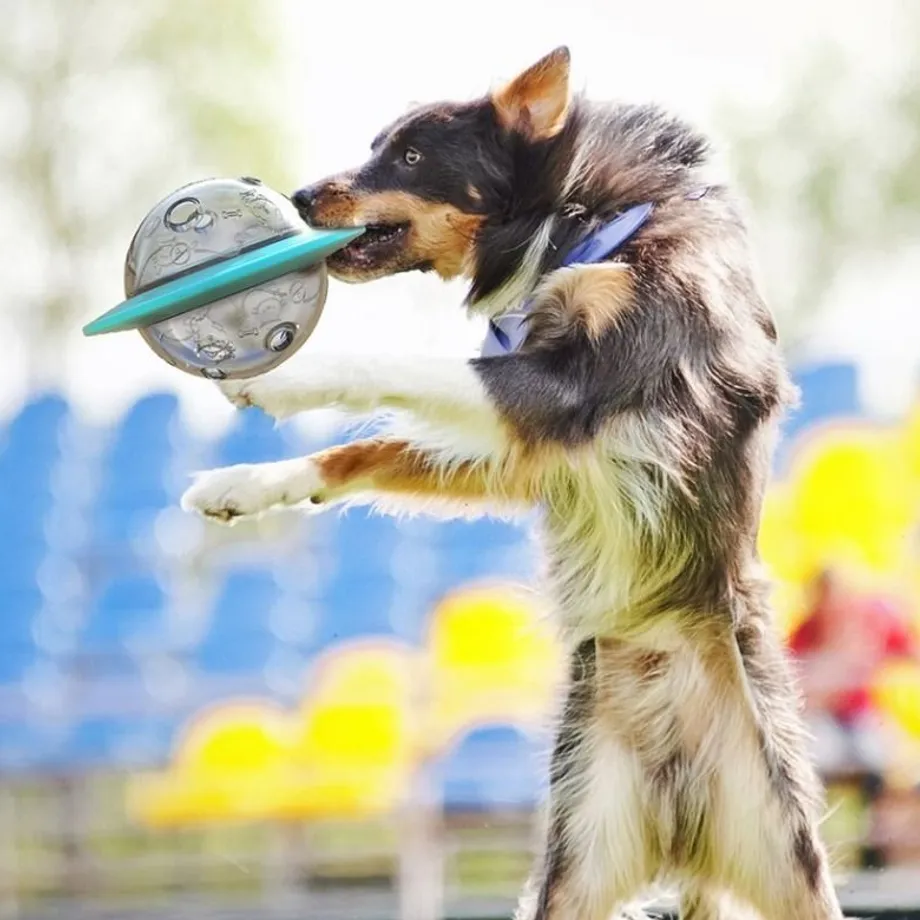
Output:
(237, 392)
(275, 396)
(248, 490)
(324, 384)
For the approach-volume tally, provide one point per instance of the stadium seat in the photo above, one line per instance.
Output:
(128, 616)
(135, 480)
(363, 543)
(16, 658)
(356, 605)
(230, 763)
(254, 437)
(18, 645)
(32, 440)
(140, 741)
(355, 748)
(239, 637)
(829, 391)
(28, 744)
(246, 598)
(20, 558)
(30, 448)
(494, 768)
(470, 551)
(491, 659)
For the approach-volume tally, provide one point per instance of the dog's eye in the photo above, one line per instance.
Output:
(411, 156)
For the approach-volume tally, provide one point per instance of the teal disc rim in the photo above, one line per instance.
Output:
(212, 282)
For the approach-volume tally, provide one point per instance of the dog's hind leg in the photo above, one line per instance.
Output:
(765, 843)
(392, 473)
(701, 902)
(595, 858)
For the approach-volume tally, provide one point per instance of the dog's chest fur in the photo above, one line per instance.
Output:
(596, 513)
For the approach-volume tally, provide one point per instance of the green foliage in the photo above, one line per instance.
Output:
(832, 177)
(120, 103)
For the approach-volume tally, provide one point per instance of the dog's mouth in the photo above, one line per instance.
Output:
(377, 243)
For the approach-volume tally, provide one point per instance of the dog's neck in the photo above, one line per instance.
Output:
(516, 255)
(504, 291)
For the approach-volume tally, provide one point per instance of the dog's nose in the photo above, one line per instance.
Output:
(305, 199)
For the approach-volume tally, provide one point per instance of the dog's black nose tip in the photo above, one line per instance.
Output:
(304, 199)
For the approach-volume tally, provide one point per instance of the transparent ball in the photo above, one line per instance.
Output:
(246, 334)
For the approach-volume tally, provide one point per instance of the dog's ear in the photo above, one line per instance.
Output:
(536, 101)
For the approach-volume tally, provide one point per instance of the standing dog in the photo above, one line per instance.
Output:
(637, 410)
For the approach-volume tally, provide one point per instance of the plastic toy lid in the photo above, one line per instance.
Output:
(212, 282)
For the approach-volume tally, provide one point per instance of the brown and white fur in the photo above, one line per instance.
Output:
(639, 416)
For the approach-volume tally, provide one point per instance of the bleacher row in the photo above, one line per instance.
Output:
(95, 628)
(116, 628)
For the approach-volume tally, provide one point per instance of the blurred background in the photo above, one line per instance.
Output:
(344, 715)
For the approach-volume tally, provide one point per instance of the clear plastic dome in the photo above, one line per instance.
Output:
(244, 334)
(247, 333)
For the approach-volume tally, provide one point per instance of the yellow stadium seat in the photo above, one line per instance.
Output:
(783, 549)
(491, 658)
(910, 445)
(349, 750)
(851, 498)
(230, 764)
(896, 692)
(354, 750)
(235, 737)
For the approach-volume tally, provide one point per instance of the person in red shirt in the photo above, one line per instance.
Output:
(840, 645)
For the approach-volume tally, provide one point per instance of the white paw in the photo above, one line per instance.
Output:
(323, 384)
(247, 490)
(273, 396)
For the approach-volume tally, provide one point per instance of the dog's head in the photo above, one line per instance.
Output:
(437, 175)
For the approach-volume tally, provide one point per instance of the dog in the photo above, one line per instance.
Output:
(632, 396)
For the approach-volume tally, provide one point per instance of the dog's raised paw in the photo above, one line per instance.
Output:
(225, 495)
(270, 394)
(245, 490)
(237, 392)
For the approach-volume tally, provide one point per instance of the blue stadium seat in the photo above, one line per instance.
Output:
(828, 391)
(239, 638)
(18, 648)
(137, 741)
(32, 439)
(360, 604)
(20, 606)
(129, 614)
(29, 450)
(482, 549)
(227, 653)
(15, 660)
(246, 597)
(21, 555)
(362, 543)
(27, 744)
(492, 768)
(482, 535)
(134, 482)
(255, 438)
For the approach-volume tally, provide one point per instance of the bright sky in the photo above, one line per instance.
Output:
(351, 67)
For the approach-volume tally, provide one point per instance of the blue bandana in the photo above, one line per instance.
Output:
(506, 332)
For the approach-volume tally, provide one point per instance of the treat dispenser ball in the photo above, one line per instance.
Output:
(224, 280)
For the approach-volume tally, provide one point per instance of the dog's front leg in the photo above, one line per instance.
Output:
(435, 389)
(389, 472)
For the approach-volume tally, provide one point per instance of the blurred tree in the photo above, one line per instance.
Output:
(833, 176)
(107, 106)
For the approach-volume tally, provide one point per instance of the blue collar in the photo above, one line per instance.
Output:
(506, 332)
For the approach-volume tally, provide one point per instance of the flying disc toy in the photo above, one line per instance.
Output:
(223, 279)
